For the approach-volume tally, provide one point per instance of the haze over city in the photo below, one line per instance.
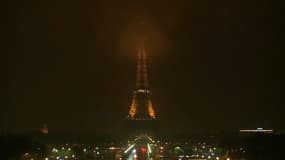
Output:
(72, 64)
(166, 68)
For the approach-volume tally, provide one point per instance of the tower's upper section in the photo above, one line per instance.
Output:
(142, 76)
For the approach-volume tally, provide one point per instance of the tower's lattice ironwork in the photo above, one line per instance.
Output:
(141, 106)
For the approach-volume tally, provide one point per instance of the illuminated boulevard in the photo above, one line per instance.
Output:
(142, 147)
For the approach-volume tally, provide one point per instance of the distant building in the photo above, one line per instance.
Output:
(257, 130)
(44, 129)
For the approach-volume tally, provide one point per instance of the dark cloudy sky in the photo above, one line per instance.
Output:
(71, 64)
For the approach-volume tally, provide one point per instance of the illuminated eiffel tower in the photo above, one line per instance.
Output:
(142, 116)
(141, 107)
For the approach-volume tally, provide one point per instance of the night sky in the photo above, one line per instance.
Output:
(71, 64)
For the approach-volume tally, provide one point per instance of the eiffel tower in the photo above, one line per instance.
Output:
(141, 107)
(142, 116)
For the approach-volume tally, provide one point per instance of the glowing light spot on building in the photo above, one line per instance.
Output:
(151, 110)
(133, 108)
(44, 129)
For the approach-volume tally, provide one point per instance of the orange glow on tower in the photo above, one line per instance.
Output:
(133, 108)
(141, 106)
(151, 110)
